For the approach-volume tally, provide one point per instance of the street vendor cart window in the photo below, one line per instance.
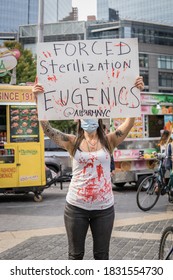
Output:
(155, 125)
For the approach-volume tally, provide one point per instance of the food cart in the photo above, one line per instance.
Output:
(134, 157)
(22, 164)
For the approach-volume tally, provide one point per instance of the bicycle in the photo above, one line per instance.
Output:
(166, 244)
(152, 186)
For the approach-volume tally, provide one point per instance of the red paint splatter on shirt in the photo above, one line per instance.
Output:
(95, 188)
(92, 193)
(99, 171)
(89, 164)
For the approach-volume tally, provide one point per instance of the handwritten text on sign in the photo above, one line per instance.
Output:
(88, 79)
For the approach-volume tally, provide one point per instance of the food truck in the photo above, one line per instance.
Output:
(22, 161)
(134, 157)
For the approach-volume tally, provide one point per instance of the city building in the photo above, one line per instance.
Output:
(157, 11)
(155, 49)
(25, 12)
(17, 12)
(72, 16)
(22, 12)
(155, 44)
(56, 10)
(91, 18)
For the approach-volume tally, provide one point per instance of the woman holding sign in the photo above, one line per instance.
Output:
(90, 200)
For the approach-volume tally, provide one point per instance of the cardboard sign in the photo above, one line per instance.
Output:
(88, 79)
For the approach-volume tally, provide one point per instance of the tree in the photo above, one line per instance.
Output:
(26, 66)
(65, 126)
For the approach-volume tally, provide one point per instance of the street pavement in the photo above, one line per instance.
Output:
(28, 231)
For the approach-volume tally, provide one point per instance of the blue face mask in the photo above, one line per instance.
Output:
(89, 125)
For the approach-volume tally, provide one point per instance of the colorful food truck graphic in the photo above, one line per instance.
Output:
(134, 157)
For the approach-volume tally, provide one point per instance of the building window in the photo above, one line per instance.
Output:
(143, 60)
(165, 79)
(144, 74)
(165, 62)
(166, 91)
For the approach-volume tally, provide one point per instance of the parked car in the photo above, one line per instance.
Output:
(57, 161)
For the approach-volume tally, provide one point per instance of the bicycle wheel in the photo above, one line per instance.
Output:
(166, 244)
(148, 193)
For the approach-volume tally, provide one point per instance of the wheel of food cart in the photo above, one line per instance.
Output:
(38, 198)
(148, 192)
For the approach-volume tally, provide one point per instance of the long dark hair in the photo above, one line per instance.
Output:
(101, 135)
(165, 138)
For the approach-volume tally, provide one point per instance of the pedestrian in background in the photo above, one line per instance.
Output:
(165, 150)
(90, 200)
(165, 140)
(166, 145)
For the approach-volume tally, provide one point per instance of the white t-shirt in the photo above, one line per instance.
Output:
(163, 148)
(90, 187)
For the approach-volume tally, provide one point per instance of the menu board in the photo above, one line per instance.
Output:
(24, 125)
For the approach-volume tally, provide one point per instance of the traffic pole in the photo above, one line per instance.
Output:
(40, 21)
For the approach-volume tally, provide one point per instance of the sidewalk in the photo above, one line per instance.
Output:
(132, 239)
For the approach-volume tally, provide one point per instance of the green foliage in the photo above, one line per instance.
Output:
(65, 126)
(26, 66)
